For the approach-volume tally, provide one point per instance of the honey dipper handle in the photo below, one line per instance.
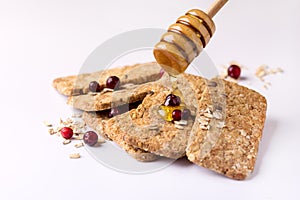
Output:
(215, 7)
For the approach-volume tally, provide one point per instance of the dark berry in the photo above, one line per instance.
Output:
(172, 100)
(113, 112)
(113, 82)
(66, 132)
(94, 86)
(90, 138)
(176, 115)
(234, 71)
(186, 113)
(161, 72)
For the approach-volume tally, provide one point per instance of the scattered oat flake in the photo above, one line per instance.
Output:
(79, 137)
(58, 129)
(203, 127)
(204, 123)
(78, 145)
(263, 71)
(107, 90)
(208, 115)
(179, 127)
(69, 121)
(181, 122)
(74, 156)
(66, 142)
(201, 118)
(48, 124)
(51, 131)
(101, 141)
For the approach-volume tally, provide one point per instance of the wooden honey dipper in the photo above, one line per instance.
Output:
(186, 38)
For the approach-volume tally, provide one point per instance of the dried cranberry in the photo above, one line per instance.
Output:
(186, 113)
(113, 82)
(113, 112)
(172, 100)
(176, 115)
(66, 133)
(94, 86)
(90, 138)
(234, 71)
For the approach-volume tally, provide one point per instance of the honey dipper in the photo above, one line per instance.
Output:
(186, 38)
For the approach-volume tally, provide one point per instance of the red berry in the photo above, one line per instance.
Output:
(94, 86)
(113, 112)
(176, 115)
(66, 132)
(113, 82)
(186, 113)
(172, 100)
(90, 138)
(234, 71)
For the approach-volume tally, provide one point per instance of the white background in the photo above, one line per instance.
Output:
(41, 40)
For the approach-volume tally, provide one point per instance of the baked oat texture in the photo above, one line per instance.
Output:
(228, 143)
(77, 85)
(97, 120)
(107, 99)
(144, 128)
